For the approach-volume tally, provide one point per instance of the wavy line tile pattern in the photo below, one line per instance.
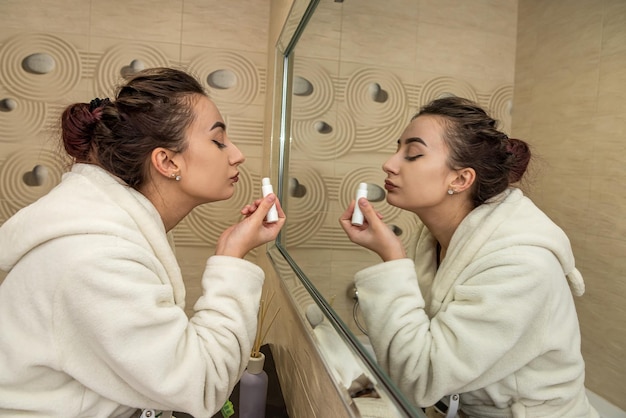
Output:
(369, 112)
(90, 61)
(248, 79)
(324, 146)
(442, 86)
(321, 98)
(13, 187)
(306, 214)
(50, 86)
(25, 121)
(500, 106)
(380, 138)
(109, 69)
(209, 221)
(244, 131)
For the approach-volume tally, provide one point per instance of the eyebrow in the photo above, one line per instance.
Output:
(410, 140)
(218, 125)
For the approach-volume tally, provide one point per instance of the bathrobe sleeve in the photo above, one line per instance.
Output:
(494, 324)
(120, 333)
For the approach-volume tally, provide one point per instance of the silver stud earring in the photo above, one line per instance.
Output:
(177, 178)
(450, 191)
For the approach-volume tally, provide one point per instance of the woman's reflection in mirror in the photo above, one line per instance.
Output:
(486, 308)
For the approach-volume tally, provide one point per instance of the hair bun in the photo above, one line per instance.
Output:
(521, 154)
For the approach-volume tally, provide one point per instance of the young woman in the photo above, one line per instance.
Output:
(91, 311)
(485, 310)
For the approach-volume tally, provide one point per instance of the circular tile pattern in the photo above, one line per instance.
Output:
(367, 111)
(49, 86)
(26, 120)
(246, 74)
(13, 188)
(307, 139)
(322, 95)
(445, 86)
(500, 107)
(306, 214)
(380, 138)
(113, 62)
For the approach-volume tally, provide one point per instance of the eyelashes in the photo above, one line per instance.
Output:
(412, 157)
(219, 144)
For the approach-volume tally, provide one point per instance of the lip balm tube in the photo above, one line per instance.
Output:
(357, 215)
(266, 188)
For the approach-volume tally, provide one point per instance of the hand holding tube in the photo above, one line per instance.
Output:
(253, 230)
(374, 234)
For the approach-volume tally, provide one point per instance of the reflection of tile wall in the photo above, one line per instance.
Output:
(90, 44)
(570, 89)
(371, 65)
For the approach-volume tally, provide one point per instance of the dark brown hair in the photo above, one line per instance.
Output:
(475, 142)
(152, 109)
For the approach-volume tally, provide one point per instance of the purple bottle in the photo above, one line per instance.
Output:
(253, 389)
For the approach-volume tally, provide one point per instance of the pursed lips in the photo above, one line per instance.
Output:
(389, 185)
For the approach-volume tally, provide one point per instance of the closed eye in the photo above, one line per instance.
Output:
(413, 157)
(219, 144)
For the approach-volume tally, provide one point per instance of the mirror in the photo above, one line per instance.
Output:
(366, 389)
(357, 80)
(360, 69)
(355, 73)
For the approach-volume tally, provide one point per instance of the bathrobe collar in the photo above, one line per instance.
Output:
(506, 220)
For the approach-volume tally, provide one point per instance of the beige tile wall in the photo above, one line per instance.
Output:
(570, 90)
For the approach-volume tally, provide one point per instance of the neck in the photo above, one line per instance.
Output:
(442, 222)
(172, 210)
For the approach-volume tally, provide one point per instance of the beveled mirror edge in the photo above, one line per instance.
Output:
(295, 23)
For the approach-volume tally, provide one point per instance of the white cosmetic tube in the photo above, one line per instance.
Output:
(357, 215)
(266, 188)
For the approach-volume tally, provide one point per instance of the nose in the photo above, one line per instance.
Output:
(236, 156)
(389, 166)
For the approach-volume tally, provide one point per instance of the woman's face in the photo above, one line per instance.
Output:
(418, 175)
(210, 166)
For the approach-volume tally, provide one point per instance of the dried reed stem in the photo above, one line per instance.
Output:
(260, 334)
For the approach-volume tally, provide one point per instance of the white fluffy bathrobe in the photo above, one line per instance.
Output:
(496, 322)
(91, 312)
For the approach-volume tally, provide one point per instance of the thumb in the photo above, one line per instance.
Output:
(367, 209)
(266, 204)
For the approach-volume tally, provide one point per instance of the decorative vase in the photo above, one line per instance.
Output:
(253, 389)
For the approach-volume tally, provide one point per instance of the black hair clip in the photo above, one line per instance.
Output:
(98, 102)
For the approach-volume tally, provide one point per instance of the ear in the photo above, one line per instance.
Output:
(464, 179)
(162, 161)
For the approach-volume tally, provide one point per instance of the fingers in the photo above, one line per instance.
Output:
(347, 215)
(251, 208)
(279, 209)
(266, 204)
(368, 210)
